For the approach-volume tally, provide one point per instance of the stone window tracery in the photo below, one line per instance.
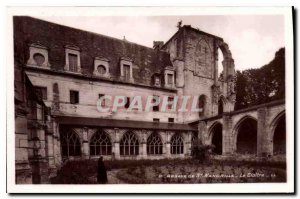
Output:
(129, 144)
(70, 144)
(100, 144)
(154, 144)
(177, 144)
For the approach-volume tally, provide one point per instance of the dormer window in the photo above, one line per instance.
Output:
(38, 56)
(169, 77)
(101, 67)
(126, 69)
(156, 80)
(72, 59)
(73, 62)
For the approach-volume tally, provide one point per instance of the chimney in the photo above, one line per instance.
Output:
(157, 45)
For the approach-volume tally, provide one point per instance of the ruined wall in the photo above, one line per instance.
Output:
(195, 56)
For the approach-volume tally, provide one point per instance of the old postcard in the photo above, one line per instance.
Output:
(150, 100)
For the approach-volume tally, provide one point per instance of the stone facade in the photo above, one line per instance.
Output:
(73, 68)
(266, 117)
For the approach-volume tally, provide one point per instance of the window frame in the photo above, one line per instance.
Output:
(76, 98)
(100, 142)
(154, 144)
(103, 104)
(65, 142)
(126, 62)
(44, 95)
(75, 51)
(127, 147)
(177, 144)
(37, 48)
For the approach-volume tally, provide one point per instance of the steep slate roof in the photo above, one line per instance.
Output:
(28, 30)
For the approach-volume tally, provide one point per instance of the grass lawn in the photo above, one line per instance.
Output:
(173, 171)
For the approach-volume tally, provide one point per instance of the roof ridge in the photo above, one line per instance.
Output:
(90, 32)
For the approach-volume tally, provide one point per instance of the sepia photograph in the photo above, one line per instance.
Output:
(166, 96)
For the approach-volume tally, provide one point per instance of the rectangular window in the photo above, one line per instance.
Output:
(127, 100)
(103, 100)
(41, 92)
(170, 102)
(73, 62)
(171, 120)
(126, 71)
(155, 99)
(155, 119)
(74, 97)
(170, 79)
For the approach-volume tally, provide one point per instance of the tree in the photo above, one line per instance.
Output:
(262, 85)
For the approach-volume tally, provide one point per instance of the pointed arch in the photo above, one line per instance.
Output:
(202, 104)
(278, 133)
(221, 104)
(227, 62)
(100, 144)
(245, 135)
(275, 121)
(216, 137)
(177, 144)
(129, 144)
(70, 144)
(154, 144)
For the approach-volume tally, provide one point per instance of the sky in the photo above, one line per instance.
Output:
(252, 39)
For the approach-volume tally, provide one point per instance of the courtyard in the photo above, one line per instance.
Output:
(172, 171)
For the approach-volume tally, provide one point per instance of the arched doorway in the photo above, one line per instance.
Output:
(279, 138)
(247, 136)
(217, 138)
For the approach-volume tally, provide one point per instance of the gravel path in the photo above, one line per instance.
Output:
(112, 177)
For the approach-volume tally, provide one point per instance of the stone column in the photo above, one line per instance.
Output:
(202, 132)
(188, 144)
(50, 146)
(23, 171)
(167, 145)
(262, 133)
(56, 143)
(143, 152)
(38, 160)
(85, 143)
(227, 141)
(116, 147)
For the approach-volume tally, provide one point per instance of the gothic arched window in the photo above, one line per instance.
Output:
(202, 105)
(154, 144)
(100, 144)
(177, 144)
(70, 144)
(129, 144)
(220, 106)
